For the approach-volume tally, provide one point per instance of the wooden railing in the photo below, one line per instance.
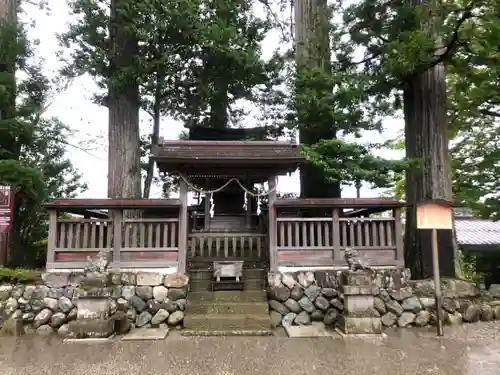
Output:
(87, 234)
(227, 245)
(321, 241)
(301, 232)
(134, 242)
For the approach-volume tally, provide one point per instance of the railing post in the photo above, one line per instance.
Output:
(336, 234)
(117, 237)
(273, 255)
(183, 226)
(52, 239)
(398, 232)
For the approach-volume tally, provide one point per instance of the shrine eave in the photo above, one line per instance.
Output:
(175, 155)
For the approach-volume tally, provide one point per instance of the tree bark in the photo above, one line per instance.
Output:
(124, 171)
(426, 134)
(155, 134)
(313, 51)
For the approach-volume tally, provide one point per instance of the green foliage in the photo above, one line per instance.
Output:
(349, 162)
(196, 58)
(332, 101)
(467, 267)
(476, 170)
(397, 44)
(18, 275)
(15, 130)
(32, 149)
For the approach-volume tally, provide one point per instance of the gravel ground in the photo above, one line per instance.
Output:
(466, 350)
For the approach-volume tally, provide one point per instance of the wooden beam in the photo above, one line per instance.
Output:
(183, 226)
(117, 235)
(398, 232)
(273, 253)
(336, 233)
(52, 239)
(339, 202)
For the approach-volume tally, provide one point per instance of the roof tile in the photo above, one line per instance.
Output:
(477, 232)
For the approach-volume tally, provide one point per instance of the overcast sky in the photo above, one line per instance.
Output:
(88, 121)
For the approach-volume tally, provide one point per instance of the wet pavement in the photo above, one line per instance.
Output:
(466, 350)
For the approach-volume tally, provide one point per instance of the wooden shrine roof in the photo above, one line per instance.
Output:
(172, 154)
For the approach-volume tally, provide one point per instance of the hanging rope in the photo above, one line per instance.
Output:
(202, 191)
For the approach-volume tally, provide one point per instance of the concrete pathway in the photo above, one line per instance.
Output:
(466, 350)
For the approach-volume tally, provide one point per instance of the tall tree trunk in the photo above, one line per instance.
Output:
(313, 51)
(124, 171)
(219, 102)
(426, 142)
(426, 134)
(219, 105)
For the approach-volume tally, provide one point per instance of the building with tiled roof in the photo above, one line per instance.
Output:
(477, 233)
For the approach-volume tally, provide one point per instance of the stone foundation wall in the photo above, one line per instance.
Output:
(302, 297)
(147, 299)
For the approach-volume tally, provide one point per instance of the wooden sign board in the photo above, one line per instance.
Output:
(434, 215)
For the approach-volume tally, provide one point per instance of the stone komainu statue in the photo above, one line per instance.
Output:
(99, 264)
(353, 260)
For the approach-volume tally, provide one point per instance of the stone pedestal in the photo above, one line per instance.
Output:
(359, 315)
(93, 319)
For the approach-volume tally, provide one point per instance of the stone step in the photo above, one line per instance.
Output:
(206, 285)
(205, 274)
(242, 332)
(227, 322)
(227, 296)
(195, 264)
(211, 308)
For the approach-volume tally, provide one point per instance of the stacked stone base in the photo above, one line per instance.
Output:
(301, 298)
(359, 316)
(135, 299)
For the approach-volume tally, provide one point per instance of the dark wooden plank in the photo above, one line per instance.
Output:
(376, 256)
(112, 203)
(74, 256)
(305, 258)
(340, 202)
(131, 256)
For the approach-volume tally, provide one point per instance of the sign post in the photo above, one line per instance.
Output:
(6, 212)
(434, 215)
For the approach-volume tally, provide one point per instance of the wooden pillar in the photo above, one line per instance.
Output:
(273, 254)
(336, 234)
(207, 212)
(117, 237)
(398, 232)
(52, 239)
(183, 227)
(248, 213)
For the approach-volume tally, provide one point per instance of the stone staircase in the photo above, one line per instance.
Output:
(228, 312)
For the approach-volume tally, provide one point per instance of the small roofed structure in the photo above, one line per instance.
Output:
(256, 159)
(207, 166)
(231, 222)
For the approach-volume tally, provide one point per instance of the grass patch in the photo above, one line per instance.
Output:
(18, 275)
